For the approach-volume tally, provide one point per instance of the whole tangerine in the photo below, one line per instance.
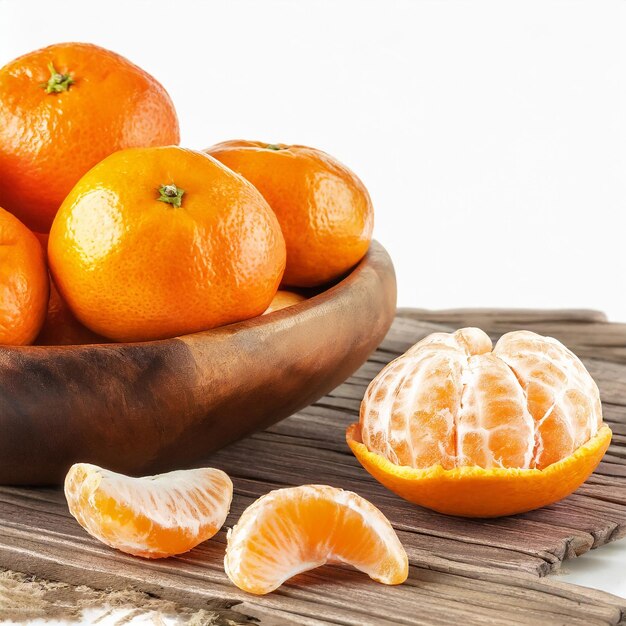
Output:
(63, 109)
(324, 209)
(24, 283)
(158, 242)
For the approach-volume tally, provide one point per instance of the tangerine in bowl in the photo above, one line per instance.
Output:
(465, 428)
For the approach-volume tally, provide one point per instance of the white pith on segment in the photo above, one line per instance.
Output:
(292, 530)
(194, 503)
(451, 400)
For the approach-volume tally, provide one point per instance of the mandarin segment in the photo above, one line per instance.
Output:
(292, 530)
(562, 397)
(153, 516)
(493, 425)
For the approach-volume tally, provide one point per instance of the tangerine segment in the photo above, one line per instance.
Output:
(154, 516)
(472, 491)
(289, 531)
(494, 427)
(562, 397)
(410, 410)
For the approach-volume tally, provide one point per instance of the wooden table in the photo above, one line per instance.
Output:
(462, 571)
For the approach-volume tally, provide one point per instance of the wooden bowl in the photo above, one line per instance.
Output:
(159, 405)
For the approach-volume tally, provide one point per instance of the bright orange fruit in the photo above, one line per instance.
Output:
(289, 531)
(324, 210)
(24, 284)
(63, 109)
(158, 242)
(466, 430)
(284, 299)
(154, 516)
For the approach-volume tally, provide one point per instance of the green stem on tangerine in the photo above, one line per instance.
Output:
(171, 194)
(273, 146)
(57, 82)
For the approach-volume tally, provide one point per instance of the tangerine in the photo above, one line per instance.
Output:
(24, 284)
(324, 209)
(63, 109)
(157, 242)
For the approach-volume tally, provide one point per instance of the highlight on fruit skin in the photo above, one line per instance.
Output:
(154, 516)
(293, 530)
(460, 428)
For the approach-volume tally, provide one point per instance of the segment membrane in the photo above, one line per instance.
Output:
(450, 400)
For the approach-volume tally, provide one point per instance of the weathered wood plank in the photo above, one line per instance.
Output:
(462, 571)
(450, 317)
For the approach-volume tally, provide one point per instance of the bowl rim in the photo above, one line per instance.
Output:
(374, 256)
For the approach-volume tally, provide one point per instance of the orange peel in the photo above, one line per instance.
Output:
(471, 491)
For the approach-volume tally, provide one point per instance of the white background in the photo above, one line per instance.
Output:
(491, 134)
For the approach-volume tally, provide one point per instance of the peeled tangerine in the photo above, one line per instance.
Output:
(469, 429)
(289, 531)
(154, 516)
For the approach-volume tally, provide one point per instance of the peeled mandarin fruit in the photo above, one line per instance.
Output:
(289, 531)
(283, 299)
(467, 430)
(24, 283)
(154, 516)
(324, 210)
(158, 242)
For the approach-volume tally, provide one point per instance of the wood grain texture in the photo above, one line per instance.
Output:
(153, 406)
(462, 571)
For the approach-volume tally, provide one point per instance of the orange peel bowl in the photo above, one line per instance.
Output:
(467, 428)
(472, 491)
